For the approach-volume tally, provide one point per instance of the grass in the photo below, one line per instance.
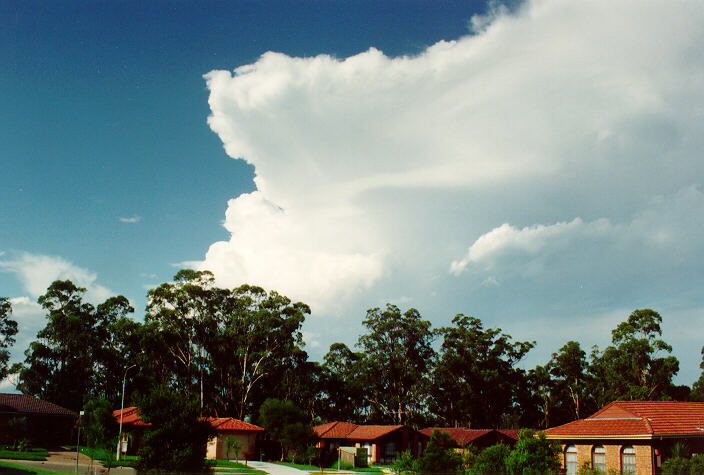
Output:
(107, 457)
(15, 468)
(32, 454)
(333, 468)
(234, 467)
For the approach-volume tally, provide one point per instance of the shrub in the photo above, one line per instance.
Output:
(533, 453)
(491, 460)
(439, 455)
(176, 440)
(405, 463)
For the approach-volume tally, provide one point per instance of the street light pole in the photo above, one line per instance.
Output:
(78, 441)
(122, 410)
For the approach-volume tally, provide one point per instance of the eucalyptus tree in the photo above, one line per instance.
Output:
(182, 314)
(257, 340)
(476, 378)
(68, 361)
(572, 384)
(632, 368)
(398, 357)
(8, 330)
(343, 391)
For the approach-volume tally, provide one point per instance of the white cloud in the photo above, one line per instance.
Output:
(563, 139)
(131, 219)
(37, 272)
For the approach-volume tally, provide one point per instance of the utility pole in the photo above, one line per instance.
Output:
(122, 410)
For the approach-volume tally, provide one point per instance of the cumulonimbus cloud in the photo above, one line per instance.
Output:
(564, 119)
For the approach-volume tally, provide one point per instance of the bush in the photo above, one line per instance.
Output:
(405, 463)
(176, 440)
(683, 466)
(491, 460)
(439, 456)
(533, 454)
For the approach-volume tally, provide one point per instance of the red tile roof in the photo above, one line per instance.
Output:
(347, 430)
(371, 432)
(230, 423)
(464, 436)
(30, 405)
(131, 417)
(334, 430)
(637, 419)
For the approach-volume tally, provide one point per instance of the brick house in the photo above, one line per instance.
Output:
(244, 433)
(479, 438)
(42, 422)
(630, 436)
(383, 442)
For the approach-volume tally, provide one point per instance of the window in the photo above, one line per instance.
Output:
(628, 459)
(599, 458)
(571, 459)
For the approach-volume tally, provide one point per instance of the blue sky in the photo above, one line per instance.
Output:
(537, 166)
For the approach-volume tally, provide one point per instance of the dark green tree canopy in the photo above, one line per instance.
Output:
(398, 357)
(476, 376)
(8, 330)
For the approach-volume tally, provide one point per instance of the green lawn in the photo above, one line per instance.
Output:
(315, 468)
(234, 467)
(107, 457)
(14, 468)
(32, 454)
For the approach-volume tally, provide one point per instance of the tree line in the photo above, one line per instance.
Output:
(229, 350)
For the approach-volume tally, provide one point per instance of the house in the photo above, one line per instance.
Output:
(383, 442)
(42, 422)
(630, 436)
(228, 430)
(479, 438)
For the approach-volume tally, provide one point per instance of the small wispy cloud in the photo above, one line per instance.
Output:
(131, 219)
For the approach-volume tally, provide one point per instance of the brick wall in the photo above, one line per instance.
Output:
(644, 460)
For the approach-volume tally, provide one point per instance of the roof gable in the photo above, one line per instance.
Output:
(371, 432)
(463, 436)
(638, 419)
(334, 430)
(24, 404)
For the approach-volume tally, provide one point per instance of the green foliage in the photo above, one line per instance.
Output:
(99, 425)
(491, 460)
(397, 356)
(533, 454)
(70, 359)
(24, 453)
(681, 465)
(176, 440)
(229, 348)
(439, 455)
(8, 329)
(286, 423)
(630, 369)
(405, 463)
(233, 446)
(476, 378)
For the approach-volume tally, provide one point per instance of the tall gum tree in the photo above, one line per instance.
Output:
(8, 330)
(398, 357)
(631, 367)
(475, 378)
